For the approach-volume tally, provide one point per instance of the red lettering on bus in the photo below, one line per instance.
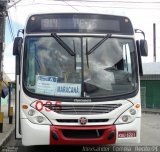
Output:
(58, 106)
(39, 105)
(49, 103)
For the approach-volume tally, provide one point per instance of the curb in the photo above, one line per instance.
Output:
(151, 112)
(6, 139)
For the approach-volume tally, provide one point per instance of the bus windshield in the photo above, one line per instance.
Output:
(107, 70)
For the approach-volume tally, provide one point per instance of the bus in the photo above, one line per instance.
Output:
(78, 80)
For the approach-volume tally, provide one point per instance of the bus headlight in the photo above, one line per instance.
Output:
(35, 116)
(40, 119)
(31, 112)
(127, 117)
(132, 111)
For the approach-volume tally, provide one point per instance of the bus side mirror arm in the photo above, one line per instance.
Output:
(143, 46)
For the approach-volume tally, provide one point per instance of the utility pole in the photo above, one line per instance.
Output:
(3, 14)
(154, 42)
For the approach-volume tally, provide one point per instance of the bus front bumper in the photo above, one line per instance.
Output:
(33, 134)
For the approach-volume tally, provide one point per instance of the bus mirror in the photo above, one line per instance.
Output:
(143, 48)
(17, 45)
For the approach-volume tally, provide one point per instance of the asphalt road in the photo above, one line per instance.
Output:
(150, 136)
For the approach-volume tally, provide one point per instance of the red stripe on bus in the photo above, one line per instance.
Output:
(108, 136)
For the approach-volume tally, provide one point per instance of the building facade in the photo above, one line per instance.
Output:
(150, 85)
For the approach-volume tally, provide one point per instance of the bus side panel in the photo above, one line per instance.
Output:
(133, 126)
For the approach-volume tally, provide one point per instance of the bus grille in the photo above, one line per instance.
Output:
(82, 133)
(77, 120)
(82, 109)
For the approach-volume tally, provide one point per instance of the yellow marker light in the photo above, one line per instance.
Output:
(137, 106)
(24, 107)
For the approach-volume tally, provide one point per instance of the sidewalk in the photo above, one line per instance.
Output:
(151, 111)
(8, 129)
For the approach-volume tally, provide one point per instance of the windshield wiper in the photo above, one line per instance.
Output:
(98, 44)
(74, 48)
(63, 44)
(87, 53)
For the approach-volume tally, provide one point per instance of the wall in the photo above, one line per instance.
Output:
(150, 93)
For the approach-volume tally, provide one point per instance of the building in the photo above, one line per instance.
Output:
(150, 85)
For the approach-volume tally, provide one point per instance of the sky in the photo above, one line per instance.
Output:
(142, 13)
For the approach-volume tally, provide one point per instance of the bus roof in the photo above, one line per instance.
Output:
(79, 23)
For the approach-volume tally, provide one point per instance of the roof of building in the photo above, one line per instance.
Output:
(150, 77)
(151, 71)
(152, 68)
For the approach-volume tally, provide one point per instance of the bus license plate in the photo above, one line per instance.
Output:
(126, 134)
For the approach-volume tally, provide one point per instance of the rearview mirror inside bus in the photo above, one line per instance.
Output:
(144, 48)
(17, 45)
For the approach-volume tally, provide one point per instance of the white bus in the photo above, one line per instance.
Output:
(77, 80)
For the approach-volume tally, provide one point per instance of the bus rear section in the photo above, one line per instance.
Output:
(77, 79)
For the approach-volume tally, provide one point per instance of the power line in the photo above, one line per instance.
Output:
(10, 28)
(123, 7)
(12, 25)
(86, 6)
(71, 6)
(101, 1)
(97, 1)
(14, 4)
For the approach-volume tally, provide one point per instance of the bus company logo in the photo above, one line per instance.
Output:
(83, 121)
(82, 100)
